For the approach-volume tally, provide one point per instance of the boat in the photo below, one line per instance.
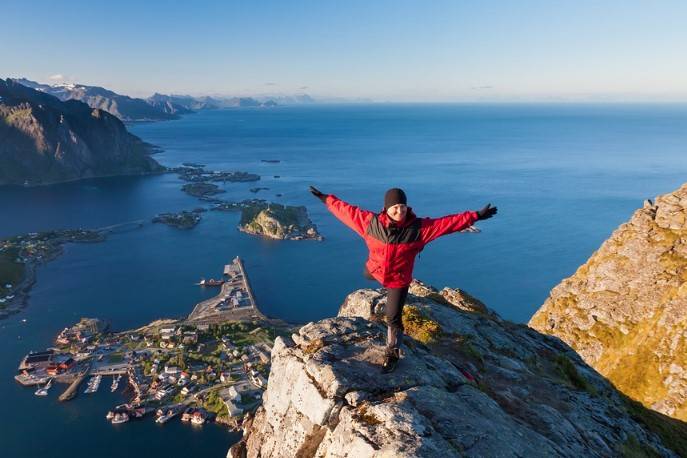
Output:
(197, 418)
(210, 282)
(122, 417)
(188, 413)
(115, 383)
(44, 391)
(93, 384)
(165, 418)
(110, 415)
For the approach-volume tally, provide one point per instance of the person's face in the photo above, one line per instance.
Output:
(397, 212)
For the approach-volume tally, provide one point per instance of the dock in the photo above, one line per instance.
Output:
(71, 391)
(227, 305)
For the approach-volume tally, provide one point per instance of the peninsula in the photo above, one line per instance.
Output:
(21, 255)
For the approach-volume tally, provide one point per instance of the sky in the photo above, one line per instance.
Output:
(408, 51)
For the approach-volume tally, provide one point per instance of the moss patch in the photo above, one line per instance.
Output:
(419, 326)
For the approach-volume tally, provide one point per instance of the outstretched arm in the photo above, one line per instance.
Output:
(433, 228)
(350, 215)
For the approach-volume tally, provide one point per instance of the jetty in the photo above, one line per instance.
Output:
(72, 389)
(234, 302)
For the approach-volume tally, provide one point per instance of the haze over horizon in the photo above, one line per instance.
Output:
(387, 51)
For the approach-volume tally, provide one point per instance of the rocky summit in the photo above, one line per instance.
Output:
(468, 384)
(625, 309)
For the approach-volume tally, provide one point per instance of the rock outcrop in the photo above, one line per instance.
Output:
(279, 222)
(469, 384)
(625, 309)
(44, 140)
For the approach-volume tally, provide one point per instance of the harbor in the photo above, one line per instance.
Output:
(211, 366)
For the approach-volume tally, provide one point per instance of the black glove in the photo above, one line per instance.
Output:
(316, 192)
(487, 212)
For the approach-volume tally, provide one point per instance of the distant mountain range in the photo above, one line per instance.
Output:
(158, 107)
(46, 140)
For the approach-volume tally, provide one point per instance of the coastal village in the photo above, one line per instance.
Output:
(210, 367)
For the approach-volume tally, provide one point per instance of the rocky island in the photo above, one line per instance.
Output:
(181, 220)
(46, 140)
(277, 221)
(625, 309)
(469, 384)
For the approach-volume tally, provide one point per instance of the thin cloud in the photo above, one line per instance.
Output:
(56, 77)
(271, 84)
(302, 88)
(481, 88)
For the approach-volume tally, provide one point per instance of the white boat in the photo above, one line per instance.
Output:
(197, 419)
(115, 383)
(110, 415)
(120, 418)
(44, 391)
(93, 384)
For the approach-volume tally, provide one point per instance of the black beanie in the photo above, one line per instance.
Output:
(394, 196)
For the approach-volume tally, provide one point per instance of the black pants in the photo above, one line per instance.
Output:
(395, 300)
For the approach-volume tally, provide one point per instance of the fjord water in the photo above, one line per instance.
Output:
(562, 176)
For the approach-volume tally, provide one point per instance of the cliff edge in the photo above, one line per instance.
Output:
(469, 384)
(625, 309)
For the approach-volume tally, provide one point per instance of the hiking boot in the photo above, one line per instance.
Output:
(391, 357)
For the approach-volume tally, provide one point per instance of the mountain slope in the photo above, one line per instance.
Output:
(625, 309)
(124, 107)
(44, 140)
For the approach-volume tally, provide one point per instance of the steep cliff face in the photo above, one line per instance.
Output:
(469, 384)
(44, 140)
(625, 309)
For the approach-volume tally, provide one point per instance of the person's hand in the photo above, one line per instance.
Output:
(316, 192)
(487, 212)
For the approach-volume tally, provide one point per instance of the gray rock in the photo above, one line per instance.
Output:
(484, 388)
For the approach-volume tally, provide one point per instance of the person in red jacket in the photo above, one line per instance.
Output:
(394, 237)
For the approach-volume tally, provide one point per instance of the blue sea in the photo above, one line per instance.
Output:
(563, 178)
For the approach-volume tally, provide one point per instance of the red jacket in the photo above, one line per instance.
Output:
(393, 246)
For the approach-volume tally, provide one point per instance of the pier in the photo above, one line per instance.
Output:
(229, 304)
(71, 391)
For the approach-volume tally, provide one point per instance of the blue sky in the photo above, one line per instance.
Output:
(383, 50)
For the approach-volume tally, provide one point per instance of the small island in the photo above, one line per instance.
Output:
(181, 220)
(258, 189)
(201, 189)
(279, 222)
(200, 174)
